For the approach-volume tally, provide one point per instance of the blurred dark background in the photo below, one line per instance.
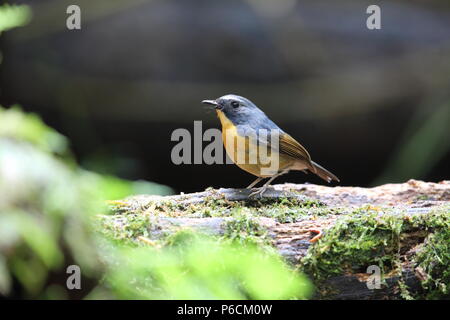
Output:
(373, 106)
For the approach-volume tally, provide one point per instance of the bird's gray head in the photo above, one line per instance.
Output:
(238, 109)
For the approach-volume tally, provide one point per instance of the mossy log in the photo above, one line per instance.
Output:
(401, 228)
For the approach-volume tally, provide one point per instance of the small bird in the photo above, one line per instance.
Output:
(240, 117)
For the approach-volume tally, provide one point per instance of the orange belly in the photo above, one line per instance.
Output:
(244, 152)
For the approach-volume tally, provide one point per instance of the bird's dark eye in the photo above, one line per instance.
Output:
(235, 104)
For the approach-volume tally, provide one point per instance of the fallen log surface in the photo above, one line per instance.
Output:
(289, 213)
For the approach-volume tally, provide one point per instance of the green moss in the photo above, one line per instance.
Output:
(294, 214)
(434, 260)
(361, 239)
(123, 224)
(245, 229)
(182, 238)
(423, 197)
(385, 238)
(284, 210)
(125, 229)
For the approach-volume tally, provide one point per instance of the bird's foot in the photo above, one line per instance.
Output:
(318, 235)
(259, 192)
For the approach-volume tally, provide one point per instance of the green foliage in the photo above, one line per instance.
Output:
(186, 264)
(197, 267)
(50, 217)
(43, 217)
(46, 205)
(13, 16)
(116, 188)
(29, 128)
(18, 126)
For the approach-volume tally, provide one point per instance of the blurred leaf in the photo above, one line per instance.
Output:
(39, 238)
(13, 16)
(114, 188)
(29, 127)
(5, 277)
(204, 269)
(47, 206)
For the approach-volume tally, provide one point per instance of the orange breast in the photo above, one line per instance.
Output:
(243, 151)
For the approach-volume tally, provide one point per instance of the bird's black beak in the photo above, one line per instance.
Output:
(212, 103)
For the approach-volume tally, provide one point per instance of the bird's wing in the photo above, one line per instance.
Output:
(287, 145)
(291, 147)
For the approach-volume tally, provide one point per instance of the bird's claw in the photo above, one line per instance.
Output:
(259, 192)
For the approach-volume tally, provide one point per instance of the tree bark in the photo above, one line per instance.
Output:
(293, 239)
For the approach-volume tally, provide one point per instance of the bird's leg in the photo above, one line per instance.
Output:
(254, 183)
(263, 189)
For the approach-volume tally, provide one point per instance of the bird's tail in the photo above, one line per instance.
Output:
(324, 173)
